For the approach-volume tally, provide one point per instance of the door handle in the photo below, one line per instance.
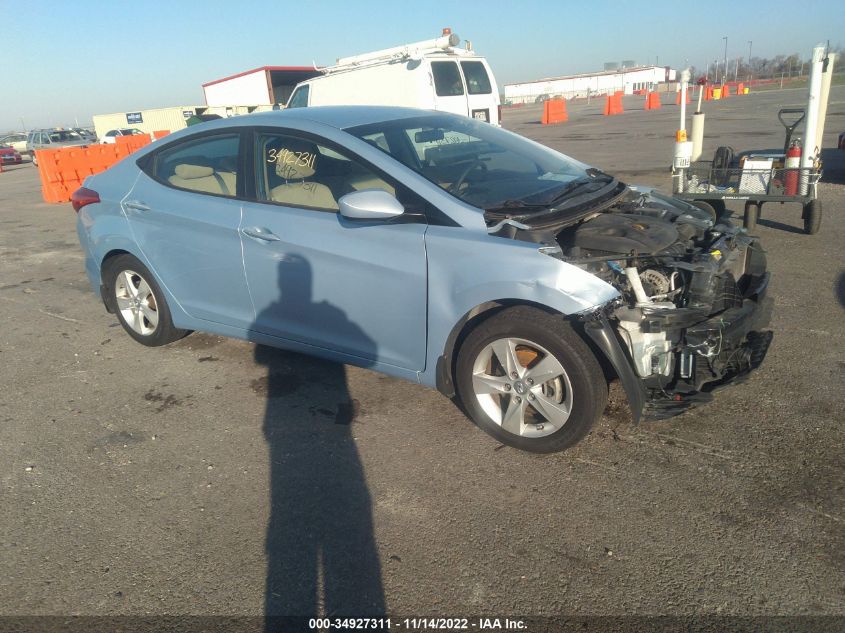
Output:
(258, 233)
(136, 205)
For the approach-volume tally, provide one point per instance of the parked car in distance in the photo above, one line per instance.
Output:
(435, 248)
(53, 138)
(16, 140)
(86, 133)
(111, 135)
(9, 155)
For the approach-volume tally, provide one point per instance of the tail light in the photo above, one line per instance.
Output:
(82, 197)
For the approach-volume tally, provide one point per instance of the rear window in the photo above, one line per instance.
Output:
(447, 79)
(478, 83)
(299, 99)
(64, 135)
(207, 165)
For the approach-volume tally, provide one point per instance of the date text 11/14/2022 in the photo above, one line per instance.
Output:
(417, 624)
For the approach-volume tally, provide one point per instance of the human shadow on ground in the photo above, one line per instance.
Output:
(321, 553)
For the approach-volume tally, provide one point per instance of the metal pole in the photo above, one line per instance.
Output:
(809, 151)
(749, 61)
(736, 68)
(725, 76)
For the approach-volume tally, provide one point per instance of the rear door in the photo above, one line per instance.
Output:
(482, 96)
(449, 90)
(184, 213)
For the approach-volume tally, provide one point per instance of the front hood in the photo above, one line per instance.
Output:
(640, 213)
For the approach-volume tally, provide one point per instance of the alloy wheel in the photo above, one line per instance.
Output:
(522, 387)
(136, 302)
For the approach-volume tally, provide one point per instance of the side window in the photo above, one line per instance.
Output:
(447, 79)
(299, 99)
(478, 83)
(298, 172)
(207, 165)
(111, 133)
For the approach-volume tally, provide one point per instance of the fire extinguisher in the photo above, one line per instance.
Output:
(792, 164)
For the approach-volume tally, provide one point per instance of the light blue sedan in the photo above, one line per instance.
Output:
(434, 248)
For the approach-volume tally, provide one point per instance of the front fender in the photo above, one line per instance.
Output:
(468, 270)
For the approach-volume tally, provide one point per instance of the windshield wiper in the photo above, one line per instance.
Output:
(509, 205)
(596, 177)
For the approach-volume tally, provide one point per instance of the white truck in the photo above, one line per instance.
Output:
(433, 75)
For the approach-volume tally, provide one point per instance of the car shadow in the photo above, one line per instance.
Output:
(321, 553)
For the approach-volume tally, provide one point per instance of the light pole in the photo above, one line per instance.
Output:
(749, 61)
(725, 76)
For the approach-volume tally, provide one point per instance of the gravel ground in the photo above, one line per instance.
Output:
(213, 477)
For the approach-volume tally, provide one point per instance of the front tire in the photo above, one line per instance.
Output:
(526, 378)
(139, 302)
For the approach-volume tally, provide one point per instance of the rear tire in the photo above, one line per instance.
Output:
(812, 216)
(139, 302)
(525, 377)
(752, 212)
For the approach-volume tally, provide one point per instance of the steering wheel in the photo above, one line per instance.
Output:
(455, 186)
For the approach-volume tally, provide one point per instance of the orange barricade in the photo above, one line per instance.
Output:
(554, 111)
(160, 134)
(62, 171)
(726, 91)
(678, 98)
(613, 104)
(740, 89)
(652, 101)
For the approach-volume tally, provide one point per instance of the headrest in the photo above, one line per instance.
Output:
(189, 172)
(296, 160)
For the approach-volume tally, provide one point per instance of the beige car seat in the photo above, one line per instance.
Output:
(202, 178)
(296, 163)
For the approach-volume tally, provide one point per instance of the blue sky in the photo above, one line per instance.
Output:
(69, 59)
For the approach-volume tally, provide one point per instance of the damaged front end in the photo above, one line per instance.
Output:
(693, 296)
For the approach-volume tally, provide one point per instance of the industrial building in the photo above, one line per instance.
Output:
(628, 80)
(267, 85)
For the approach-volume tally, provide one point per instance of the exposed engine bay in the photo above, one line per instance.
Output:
(692, 294)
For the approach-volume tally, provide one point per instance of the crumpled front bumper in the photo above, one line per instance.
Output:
(711, 353)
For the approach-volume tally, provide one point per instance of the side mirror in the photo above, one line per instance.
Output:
(369, 204)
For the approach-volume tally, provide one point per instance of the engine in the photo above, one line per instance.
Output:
(684, 279)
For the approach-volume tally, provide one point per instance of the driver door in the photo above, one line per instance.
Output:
(350, 286)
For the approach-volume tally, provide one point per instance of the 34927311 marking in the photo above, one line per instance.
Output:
(349, 624)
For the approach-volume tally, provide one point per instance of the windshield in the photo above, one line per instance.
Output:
(479, 163)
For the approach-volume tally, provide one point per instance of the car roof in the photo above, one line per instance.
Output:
(341, 117)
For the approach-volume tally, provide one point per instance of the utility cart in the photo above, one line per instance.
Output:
(755, 177)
